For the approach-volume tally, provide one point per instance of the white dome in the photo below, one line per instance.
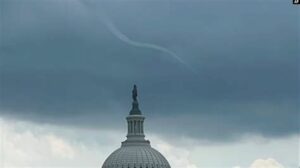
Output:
(142, 156)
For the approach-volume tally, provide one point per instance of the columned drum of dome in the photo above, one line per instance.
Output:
(135, 151)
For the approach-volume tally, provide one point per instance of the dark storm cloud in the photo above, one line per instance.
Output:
(60, 63)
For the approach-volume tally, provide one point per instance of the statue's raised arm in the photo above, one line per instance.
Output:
(134, 93)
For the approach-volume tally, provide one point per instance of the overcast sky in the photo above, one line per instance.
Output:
(218, 80)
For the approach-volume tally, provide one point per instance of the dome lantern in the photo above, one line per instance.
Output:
(135, 122)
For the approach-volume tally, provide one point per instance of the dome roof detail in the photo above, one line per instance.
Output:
(136, 157)
(135, 151)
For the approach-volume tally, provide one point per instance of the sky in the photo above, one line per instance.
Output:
(218, 81)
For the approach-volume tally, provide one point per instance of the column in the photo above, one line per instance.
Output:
(142, 126)
(137, 127)
(134, 127)
(131, 127)
(140, 130)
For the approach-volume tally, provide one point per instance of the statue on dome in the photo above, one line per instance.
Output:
(134, 93)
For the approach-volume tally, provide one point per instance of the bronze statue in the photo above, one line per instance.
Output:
(134, 93)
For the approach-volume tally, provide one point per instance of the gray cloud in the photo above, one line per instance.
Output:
(61, 64)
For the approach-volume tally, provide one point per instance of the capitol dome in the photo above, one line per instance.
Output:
(135, 151)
